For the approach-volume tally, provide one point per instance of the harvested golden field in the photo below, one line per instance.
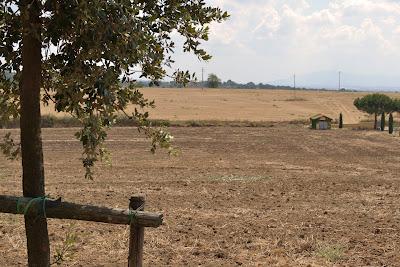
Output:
(278, 196)
(250, 105)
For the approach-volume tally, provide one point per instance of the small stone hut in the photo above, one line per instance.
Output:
(321, 122)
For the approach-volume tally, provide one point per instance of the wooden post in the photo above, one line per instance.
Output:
(136, 237)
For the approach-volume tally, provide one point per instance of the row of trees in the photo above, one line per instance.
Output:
(250, 85)
(379, 104)
(213, 81)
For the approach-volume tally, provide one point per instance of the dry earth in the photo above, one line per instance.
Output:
(251, 105)
(279, 196)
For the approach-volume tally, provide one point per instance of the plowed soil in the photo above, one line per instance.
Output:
(278, 196)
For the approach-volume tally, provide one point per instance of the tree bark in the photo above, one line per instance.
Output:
(31, 140)
(383, 122)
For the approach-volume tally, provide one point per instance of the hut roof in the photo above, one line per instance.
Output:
(321, 117)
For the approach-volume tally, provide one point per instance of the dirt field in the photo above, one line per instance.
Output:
(251, 105)
(279, 196)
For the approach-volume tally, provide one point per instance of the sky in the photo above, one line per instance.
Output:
(270, 40)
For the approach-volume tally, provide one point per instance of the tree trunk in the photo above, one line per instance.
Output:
(383, 122)
(376, 121)
(31, 140)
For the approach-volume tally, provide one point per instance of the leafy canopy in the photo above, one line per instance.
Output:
(395, 105)
(91, 52)
(213, 81)
(374, 103)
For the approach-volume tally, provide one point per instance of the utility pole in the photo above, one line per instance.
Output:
(294, 86)
(294, 81)
(340, 78)
(202, 78)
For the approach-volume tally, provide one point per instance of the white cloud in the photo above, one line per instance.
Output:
(270, 21)
(278, 37)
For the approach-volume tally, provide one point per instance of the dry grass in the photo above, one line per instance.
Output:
(248, 105)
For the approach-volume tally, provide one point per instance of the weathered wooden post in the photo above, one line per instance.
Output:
(136, 236)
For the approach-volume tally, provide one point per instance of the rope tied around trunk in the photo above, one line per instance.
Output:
(25, 210)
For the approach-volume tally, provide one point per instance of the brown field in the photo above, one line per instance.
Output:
(251, 105)
(278, 196)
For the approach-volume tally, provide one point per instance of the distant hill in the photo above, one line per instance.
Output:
(329, 80)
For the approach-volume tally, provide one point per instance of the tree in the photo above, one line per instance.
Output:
(213, 81)
(77, 54)
(230, 84)
(250, 85)
(340, 121)
(383, 121)
(374, 104)
(395, 105)
(391, 122)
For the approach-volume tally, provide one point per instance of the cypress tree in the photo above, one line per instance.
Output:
(383, 122)
(340, 121)
(391, 123)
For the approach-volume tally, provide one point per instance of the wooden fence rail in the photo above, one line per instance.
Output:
(134, 216)
(65, 210)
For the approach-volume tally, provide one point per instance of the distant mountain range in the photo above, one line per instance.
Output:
(330, 80)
